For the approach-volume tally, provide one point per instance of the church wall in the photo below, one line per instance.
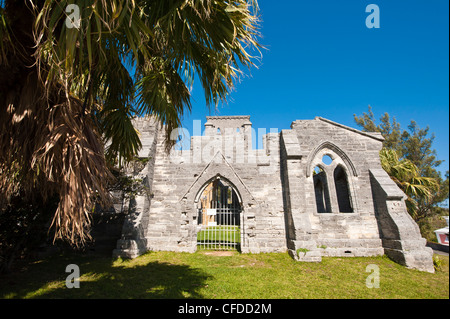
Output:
(335, 233)
(276, 188)
(179, 176)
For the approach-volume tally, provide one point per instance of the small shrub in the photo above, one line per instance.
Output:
(437, 262)
(302, 250)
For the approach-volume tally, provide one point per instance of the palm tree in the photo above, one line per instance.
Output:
(70, 86)
(407, 176)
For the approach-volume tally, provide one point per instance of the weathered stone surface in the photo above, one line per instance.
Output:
(353, 209)
(399, 233)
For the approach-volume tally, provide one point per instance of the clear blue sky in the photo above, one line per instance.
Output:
(322, 60)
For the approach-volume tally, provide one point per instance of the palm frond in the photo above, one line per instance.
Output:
(76, 88)
(407, 176)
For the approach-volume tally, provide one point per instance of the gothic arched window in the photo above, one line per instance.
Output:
(342, 190)
(321, 190)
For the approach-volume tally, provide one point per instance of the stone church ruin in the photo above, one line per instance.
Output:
(314, 190)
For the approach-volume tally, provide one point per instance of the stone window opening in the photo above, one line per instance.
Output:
(332, 184)
(327, 159)
(342, 190)
(321, 190)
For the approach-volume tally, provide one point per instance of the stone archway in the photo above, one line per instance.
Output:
(189, 203)
(219, 209)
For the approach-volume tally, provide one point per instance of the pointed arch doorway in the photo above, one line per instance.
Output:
(219, 209)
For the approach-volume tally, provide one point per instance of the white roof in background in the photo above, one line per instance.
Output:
(442, 230)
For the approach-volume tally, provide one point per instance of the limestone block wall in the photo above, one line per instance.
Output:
(225, 151)
(333, 233)
(134, 231)
(290, 198)
(400, 234)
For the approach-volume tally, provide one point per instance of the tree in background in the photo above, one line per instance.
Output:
(68, 87)
(409, 158)
(389, 128)
(406, 175)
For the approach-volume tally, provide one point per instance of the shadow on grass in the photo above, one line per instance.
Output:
(100, 278)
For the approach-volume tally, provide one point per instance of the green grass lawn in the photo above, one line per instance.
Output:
(239, 276)
(216, 235)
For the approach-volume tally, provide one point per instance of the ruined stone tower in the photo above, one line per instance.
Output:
(283, 197)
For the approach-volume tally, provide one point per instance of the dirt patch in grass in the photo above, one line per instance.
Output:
(220, 253)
